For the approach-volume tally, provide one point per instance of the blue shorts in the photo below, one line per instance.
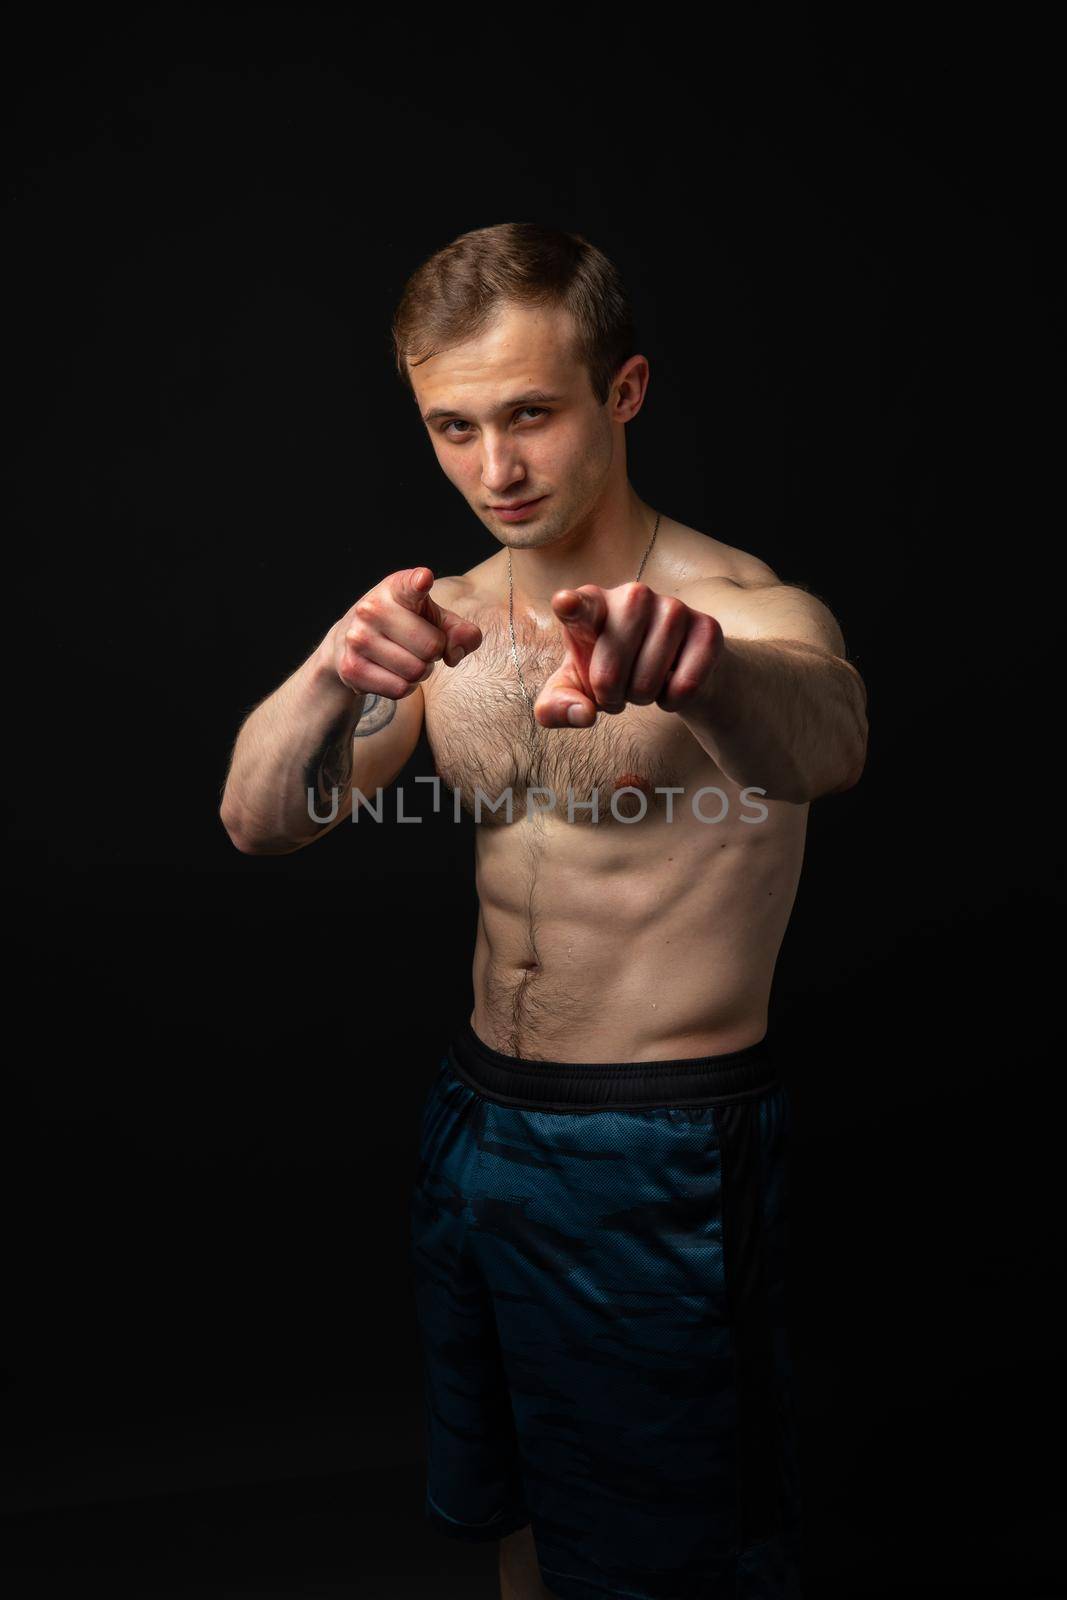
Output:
(598, 1254)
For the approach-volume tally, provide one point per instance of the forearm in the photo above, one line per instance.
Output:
(784, 717)
(299, 738)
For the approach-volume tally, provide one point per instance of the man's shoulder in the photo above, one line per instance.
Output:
(456, 587)
(710, 561)
(470, 591)
(750, 600)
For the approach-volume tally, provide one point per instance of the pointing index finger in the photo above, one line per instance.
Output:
(410, 588)
(582, 611)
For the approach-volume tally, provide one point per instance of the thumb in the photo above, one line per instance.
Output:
(462, 635)
(565, 700)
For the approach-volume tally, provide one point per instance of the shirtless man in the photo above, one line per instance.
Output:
(598, 1216)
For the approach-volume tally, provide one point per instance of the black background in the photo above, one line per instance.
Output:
(839, 237)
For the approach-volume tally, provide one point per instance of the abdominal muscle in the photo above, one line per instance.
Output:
(641, 942)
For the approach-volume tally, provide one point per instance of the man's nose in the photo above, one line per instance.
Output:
(500, 469)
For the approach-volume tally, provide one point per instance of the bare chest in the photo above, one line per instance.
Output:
(487, 746)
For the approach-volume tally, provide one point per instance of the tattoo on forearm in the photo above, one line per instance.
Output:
(378, 712)
(330, 766)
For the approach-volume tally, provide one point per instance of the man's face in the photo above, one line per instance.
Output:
(497, 452)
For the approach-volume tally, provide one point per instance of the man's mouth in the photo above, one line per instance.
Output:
(517, 508)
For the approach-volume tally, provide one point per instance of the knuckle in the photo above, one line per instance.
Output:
(353, 679)
(605, 680)
(417, 668)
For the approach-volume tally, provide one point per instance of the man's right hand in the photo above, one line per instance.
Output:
(391, 639)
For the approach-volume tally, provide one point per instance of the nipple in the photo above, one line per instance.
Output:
(629, 804)
(633, 780)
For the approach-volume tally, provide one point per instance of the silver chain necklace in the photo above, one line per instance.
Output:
(511, 609)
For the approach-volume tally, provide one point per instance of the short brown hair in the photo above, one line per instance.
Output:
(457, 290)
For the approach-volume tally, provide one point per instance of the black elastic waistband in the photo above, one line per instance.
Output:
(588, 1085)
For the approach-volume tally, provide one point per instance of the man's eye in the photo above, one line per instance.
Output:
(459, 423)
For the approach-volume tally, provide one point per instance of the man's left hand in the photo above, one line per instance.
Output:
(626, 646)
